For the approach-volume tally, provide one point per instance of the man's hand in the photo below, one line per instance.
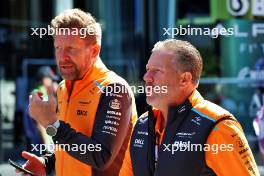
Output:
(44, 112)
(34, 164)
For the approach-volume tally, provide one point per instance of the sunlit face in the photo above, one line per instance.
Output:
(73, 56)
(161, 72)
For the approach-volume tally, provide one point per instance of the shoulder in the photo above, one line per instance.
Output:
(211, 110)
(114, 83)
(111, 77)
(227, 127)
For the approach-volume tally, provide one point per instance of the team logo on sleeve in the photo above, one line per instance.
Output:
(115, 104)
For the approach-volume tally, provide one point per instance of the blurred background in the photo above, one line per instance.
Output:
(233, 74)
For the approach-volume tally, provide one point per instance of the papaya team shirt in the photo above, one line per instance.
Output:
(95, 125)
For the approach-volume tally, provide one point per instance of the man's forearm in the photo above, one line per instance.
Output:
(97, 156)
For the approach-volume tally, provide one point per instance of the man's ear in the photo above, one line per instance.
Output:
(186, 79)
(95, 50)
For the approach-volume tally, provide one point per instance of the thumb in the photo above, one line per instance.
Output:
(28, 156)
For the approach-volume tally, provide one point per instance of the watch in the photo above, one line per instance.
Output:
(52, 129)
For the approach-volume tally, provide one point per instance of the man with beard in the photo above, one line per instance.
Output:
(183, 134)
(90, 127)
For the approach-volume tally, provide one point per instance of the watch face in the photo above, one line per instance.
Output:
(51, 130)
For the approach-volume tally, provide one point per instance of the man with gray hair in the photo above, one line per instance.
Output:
(183, 134)
(90, 129)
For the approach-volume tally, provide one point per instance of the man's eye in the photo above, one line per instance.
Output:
(153, 70)
(71, 49)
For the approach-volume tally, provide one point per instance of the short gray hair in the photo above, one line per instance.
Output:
(187, 57)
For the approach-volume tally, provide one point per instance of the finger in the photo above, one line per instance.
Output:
(28, 156)
(35, 97)
(52, 98)
(50, 92)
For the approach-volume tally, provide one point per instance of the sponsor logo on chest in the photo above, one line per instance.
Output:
(138, 143)
(81, 113)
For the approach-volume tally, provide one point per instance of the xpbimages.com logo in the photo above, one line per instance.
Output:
(198, 31)
(82, 148)
(82, 32)
(117, 88)
(187, 146)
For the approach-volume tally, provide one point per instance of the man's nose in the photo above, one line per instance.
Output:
(64, 55)
(148, 77)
